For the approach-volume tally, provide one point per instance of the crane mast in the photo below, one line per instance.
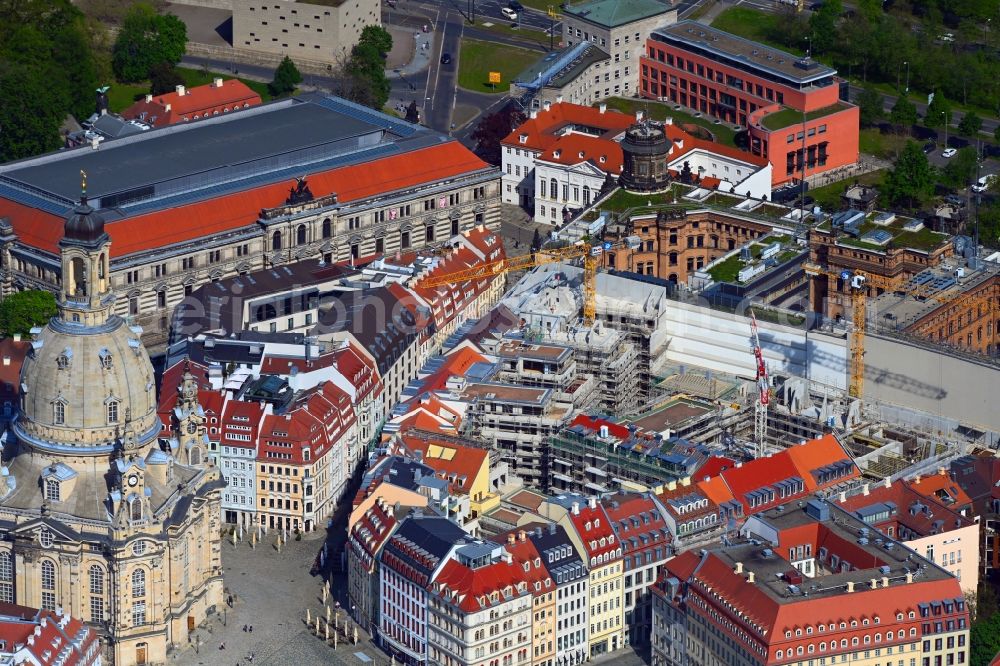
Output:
(763, 390)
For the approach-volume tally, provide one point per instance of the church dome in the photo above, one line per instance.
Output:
(84, 225)
(87, 388)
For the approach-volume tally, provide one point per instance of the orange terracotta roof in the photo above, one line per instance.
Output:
(542, 130)
(572, 149)
(459, 465)
(224, 213)
(474, 586)
(199, 100)
(942, 489)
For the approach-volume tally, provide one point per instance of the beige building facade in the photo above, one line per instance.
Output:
(325, 30)
(101, 518)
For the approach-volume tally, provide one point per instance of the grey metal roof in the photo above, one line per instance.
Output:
(190, 161)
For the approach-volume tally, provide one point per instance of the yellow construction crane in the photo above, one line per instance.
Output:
(858, 284)
(589, 253)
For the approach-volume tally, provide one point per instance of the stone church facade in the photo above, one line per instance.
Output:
(99, 515)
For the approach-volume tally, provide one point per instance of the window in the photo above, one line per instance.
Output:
(327, 228)
(6, 578)
(112, 412)
(300, 234)
(59, 413)
(138, 613)
(276, 240)
(48, 585)
(52, 490)
(138, 583)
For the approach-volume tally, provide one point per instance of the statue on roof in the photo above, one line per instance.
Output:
(299, 193)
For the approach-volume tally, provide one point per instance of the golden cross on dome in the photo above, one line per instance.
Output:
(83, 182)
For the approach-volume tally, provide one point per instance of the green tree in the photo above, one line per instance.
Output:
(970, 124)
(823, 25)
(31, 112)
(938, 111)
(903, 113)
(23, 310)
(870, 106)
(996, 133)
(164, 78)
(985, 639)
(77, 66)
(367, 68)
(286, 78)
(960, 170)
(911, 180)
(145, 39)
(378, 37)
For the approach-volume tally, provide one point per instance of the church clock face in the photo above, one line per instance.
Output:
(133, 480)
(192, 428)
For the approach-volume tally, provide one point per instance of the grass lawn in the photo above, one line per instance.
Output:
(525, 33)
(623, 200)
(828, 196)
(752, 24)
(728, 270)
(123, 95)
(787, 117)
(658, 111)
(872, 142)
(477, 59)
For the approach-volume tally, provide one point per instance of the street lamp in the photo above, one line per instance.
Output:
(944, 116)
(907, 89)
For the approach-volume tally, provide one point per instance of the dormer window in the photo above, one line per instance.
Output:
(63, 361)
(52, 491)
(107, 361)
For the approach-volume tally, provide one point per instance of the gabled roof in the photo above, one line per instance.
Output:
(459, 464)
(942, 489)
(471, 589)
(544, 131)
(231, 95)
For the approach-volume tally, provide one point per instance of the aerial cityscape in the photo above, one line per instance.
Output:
(499, 333)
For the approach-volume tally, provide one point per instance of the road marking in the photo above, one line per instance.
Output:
(437, 72)
(427, 82)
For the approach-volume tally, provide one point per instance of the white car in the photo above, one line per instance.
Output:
(984, 183)
(509, 13)
(949, 152)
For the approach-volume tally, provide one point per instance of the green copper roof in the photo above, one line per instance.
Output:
(613, 13)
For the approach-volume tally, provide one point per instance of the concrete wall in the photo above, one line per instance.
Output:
(903, 373)
(214, 4)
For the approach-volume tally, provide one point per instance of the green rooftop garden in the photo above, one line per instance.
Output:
(924, 240)
(787, 117)
(658, 111)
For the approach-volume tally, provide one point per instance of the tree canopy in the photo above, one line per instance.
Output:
(164, 78)
(970, 124)
(492, 129)
(23, 310)
(960, 170)
(146, 39)
(870, 106)
(47, 70)
(938, 112)
(903, 113)
(286, 78)
(911, 180)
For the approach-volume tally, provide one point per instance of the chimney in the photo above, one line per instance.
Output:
(533, 114)
(843, 496)
(217, 82)
(181, 90)
(149, 98)
(686, 481)
(850, 586)
(547, 105)
(888, 482)
(17, 337)
(592, 502)
(166, 108)
(576, 508)
(909, 577)
(885, 581)
(865, 489)
(874, 583)
(739, 568)
(750, 577)
(603, 108)
(521, 536)
(510, 539)
(916, 479)
(95, 142)
(559, 99)
(668, 120)
(638, 116)
(6, 360)
(942, 471)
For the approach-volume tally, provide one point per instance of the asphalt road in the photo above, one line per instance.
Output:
(989, 124)
(489, 10)
(442, 80)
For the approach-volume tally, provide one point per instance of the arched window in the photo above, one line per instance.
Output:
(276, 240)
(673, 258)
(52, 490)
(48, 585)
(58, 413)
(96, 579)
(327, 228)
(135, 508)
(112, 412)
(6, 578)
(139, 583)
(555, 188)
(300, 235)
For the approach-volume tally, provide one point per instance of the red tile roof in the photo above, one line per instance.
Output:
(915, 515)
(593, 526)
(205, 101)
(594, 423)
(527, 557)
(12, 353)
(56, 637)
(714, 466)
(942, 489)
(458, 464)
(573, 149)
(232, 211)
(543, 130)
(471, 588)
(371, 531)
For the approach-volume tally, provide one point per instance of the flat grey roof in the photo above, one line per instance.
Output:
(181, 159)
(743, 52)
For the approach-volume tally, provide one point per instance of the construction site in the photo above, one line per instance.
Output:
(902, 372)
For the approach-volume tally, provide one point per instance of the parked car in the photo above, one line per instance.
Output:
(445, 58)
(929, 148)
(949, 152)
(509, 13)
(954, 199)
(984, 183)
(516, 6)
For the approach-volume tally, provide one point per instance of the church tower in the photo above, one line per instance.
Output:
(97, 517)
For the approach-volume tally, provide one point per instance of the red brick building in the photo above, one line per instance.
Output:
(766, 90)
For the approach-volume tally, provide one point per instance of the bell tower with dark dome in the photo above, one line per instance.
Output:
(86, 296)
